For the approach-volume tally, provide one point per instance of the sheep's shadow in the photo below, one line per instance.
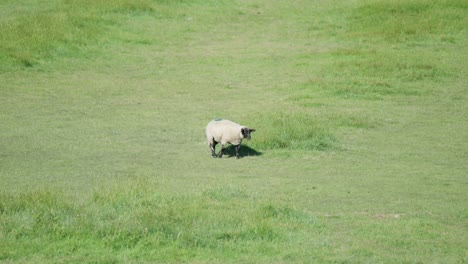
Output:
(244, 151)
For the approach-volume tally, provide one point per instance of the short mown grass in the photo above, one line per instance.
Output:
(359, 154)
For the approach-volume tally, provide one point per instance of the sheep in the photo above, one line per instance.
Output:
(224, 131)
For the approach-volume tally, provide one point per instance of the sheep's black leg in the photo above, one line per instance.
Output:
(220, 155)
(237, 151)
(212, 147)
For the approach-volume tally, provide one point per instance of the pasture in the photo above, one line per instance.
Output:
(360, 153)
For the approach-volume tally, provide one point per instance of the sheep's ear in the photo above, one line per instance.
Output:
(252, 130)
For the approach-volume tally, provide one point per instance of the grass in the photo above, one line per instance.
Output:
(359, 155)
(296, 130)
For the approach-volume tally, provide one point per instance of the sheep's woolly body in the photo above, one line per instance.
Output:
(224, 131)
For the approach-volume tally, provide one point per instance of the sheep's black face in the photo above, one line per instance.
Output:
(246, 132)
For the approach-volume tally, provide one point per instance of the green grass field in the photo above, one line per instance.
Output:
(360, 153)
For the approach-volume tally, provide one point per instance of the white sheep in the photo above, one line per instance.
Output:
(224, 131)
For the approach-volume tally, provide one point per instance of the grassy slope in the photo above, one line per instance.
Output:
(360, 150)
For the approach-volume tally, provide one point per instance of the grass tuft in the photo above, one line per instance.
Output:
(61, 28)
(285, 214)
(133, 217)
(292, 130)
(404, 20)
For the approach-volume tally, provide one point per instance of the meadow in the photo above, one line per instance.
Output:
(360, 153)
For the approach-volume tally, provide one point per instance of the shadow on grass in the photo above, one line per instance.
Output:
(244, 151)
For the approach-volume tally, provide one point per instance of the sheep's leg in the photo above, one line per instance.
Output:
(212, 147)
(237, 151)
(220, 155)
